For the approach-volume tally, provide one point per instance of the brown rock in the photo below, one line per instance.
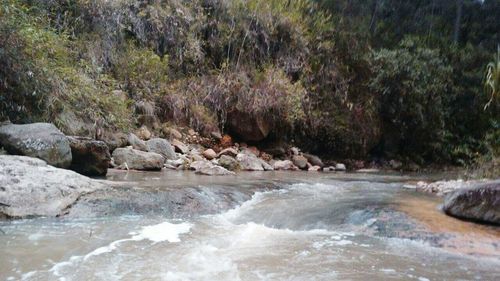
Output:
(90, 157)
(180, 147)
(143, 133)
(249, 127)
(313, 159)
(228, 151)
(209, 154)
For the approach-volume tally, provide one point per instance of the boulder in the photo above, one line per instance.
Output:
(340, 167)
(249, 162)
(299, 161)
(480, 202)
(162, 147)
(137, 160)
(180, 146)
(40, 140)
(90, 157)
(313, 159)
(247, 126)
(229, 163)
(209, 154)
(136, 142)
(286, 165)
(229, 152)
(295, 151)
(29, 187)
(115, 140)
(143, 133)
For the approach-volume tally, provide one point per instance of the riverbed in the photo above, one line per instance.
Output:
(253, 226)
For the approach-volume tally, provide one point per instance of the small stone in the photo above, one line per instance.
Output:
(299, 161)
(340, 167)
(216, 135)
(228, 151)
(143, 133)
(314, 169)
(209, 154)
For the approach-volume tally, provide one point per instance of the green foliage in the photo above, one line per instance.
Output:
(411, 82)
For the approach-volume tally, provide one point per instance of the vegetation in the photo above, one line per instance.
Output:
(346, 79)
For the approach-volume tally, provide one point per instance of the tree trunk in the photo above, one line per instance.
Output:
(458, 21)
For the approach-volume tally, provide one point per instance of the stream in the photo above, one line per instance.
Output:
(254, 226)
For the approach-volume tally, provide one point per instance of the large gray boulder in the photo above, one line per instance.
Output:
(90, 157)
(29, 187)
(313, 159)
(40, 140)
(162, 147)
(250, 162)
(480, 202)
(128, 158)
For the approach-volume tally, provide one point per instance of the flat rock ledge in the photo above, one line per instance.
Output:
(30, 188)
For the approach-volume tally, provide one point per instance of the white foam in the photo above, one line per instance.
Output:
(163, 232)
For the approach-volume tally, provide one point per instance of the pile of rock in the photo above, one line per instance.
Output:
(182, 149)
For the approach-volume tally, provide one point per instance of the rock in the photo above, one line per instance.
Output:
(254, 150)
(143, 133)
(30, 187)
(115, 140)
(170, 133)
(228, 151)
(90, 157)
(248, 127)
(480, 202)
(266, 157)
(313, 159)
(249, 162)
(136, 142)
(180, 147)
(329, 169)
(299, 161)
(216, 135)
(209, 154)
(40, 140)
(137, 159)
(162, 147)
(214, 171)
(295, 151)
(205, 167)
(277, 149)
(314, 169)
(229, 163)
(286, 165)
(191, 132)
(266, 165)
(340, 167)
(395, 164)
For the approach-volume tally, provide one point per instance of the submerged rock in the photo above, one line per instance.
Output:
(90, 157)
(128, 158)
(40, 140)
(30, 187)
(480, 202)
(162, 147)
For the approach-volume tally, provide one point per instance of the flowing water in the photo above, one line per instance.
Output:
(294, 227)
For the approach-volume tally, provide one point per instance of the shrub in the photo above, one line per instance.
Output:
(411, 82)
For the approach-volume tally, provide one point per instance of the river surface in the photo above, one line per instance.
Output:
(254, 226)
